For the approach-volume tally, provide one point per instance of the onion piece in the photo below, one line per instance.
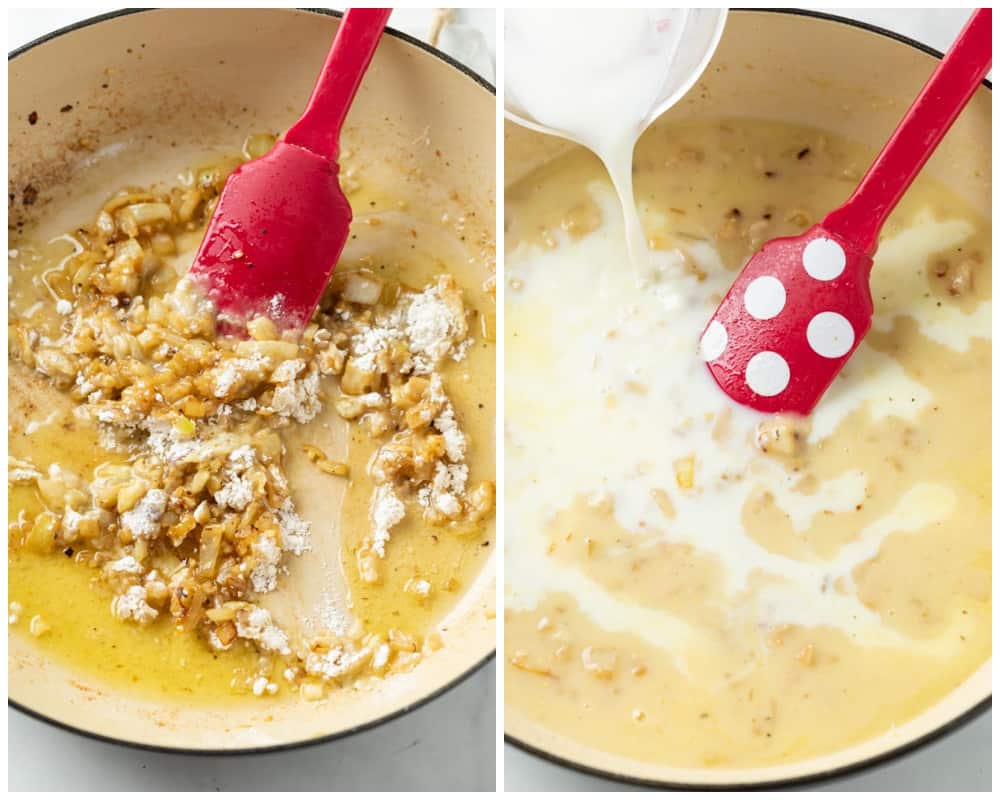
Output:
(361, 289)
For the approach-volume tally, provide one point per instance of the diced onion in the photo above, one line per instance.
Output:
(361, 289)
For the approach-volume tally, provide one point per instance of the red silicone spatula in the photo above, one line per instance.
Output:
(282, 219)
(802, 304)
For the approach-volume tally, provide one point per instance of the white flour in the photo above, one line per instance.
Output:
(259, 628)
(369, 344)
(264, 575)
(126, 565)
(144, 519)
(232, 372)
(242, 458)
(333, 663)
(298, 399)
(445, 423)
(295, 531)
(387, 511)
(432, 328)
(132, 605)
(288, 370)
(237, 494)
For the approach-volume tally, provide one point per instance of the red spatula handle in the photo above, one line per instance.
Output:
(318, 129)
(939, 103)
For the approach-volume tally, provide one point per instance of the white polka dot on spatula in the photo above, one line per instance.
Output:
(764, 297)
(768, 374)
(824, 259)
(714, 341)
(830, 334)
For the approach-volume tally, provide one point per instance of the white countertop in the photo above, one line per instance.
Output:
(449, 744)
(959, 762)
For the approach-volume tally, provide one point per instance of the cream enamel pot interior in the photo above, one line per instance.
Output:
(184, 82)
(854, 81)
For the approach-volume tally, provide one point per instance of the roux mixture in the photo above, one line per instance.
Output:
(215, 518)
(689, 582)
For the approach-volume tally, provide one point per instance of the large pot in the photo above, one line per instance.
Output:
(856, 81)
(183, 82)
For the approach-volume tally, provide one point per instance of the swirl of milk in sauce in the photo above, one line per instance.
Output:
(600, 78)
(628, 452)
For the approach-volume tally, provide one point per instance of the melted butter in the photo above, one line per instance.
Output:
(762, 593)
(398, 244)
(404, 246)
(157, 660)
(447, 559)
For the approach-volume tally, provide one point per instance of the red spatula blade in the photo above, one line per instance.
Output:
(282, 221)
(795, 314)
(276, 234)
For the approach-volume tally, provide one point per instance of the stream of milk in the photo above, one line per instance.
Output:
(600, 76)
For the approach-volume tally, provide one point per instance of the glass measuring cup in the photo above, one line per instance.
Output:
(699, 37)
(600, 77)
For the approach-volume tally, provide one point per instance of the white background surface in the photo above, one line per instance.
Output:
(449, 744)
(961, 762)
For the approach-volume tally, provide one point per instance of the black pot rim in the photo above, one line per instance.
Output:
(849, 769)
(302, 743)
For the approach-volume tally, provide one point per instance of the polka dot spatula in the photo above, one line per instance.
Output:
(802, 305)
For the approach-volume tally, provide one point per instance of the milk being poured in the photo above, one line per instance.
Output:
(600, 76)
(608, 394)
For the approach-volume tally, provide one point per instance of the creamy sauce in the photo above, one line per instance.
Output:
(736, 596)
(600, 76)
